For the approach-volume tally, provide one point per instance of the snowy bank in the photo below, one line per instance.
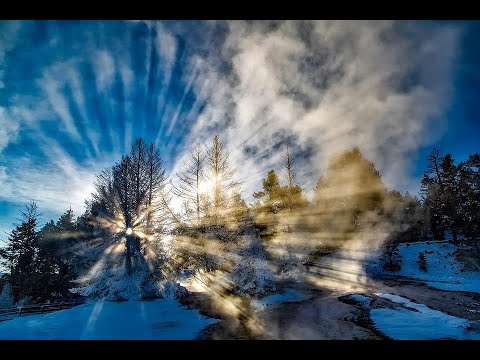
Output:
(136, 320)
(443, 270)
(419, 322)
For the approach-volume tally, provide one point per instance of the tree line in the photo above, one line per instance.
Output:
(131, 207)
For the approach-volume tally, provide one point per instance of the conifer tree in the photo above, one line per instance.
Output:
(6, 298)
(20, 254)
(293, 196)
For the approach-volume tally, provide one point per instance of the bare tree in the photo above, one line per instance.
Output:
(221, 175)
(139, 174)
(434, 161)
(190, 178)
(131, 192)
(156, 182)
(123, 191)
(291, 175)
(290, 172)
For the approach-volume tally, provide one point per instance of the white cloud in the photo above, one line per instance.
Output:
(8, 34)
(65, 184)
(8, 128)
(332, 85)
(104, 69)
(51, 83)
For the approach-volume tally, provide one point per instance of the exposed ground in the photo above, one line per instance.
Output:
(326, 312)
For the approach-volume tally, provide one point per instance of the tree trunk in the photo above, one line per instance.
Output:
(128, 262)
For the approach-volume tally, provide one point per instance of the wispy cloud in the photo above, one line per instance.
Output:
(320, 86)
(8, 128)
(79, 106)
(325, 86)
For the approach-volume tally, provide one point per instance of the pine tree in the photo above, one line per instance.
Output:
(271, 197)
(20, 254)
(405, 216)
(55, 256)
(422, 262)
(238, 209)
(293, 196)
(61, 236)
(6, 298)
(351, 189)
(392, 260)
(441, 196)
(469, 196)
(450, 195)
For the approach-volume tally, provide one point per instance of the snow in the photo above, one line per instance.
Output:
(443, 271)
(419, 323)
(289, 295)
(251, 276)
(147, 320)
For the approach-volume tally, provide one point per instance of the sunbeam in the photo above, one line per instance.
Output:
(284, 179)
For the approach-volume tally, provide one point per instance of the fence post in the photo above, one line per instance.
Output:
(42, 309)
(20, 313)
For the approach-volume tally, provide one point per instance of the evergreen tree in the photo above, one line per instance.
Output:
(441, 194)
(238, 209)
(271, 197)
(20, 255)
(56, 255)
(6, 298)
(66, 225)
(422, 261)
(293, 196)
(450, 196)
(469, 197)
(350, 190)
(392, 260)
(406, 216)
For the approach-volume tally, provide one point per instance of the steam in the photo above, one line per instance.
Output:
(324, 87)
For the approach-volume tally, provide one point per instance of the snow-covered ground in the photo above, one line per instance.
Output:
(443, 270)
(159, 319)
(419, 322)
(289, 295)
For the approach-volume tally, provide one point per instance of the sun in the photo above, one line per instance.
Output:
(129, 231)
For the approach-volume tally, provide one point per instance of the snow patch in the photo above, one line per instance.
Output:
(423, 324)
(444, 272)
(131, 320)
(251, 276)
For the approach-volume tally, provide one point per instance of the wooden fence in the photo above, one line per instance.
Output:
(10, 313)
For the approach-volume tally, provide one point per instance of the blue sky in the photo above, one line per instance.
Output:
(75, 94)
(460, 135)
